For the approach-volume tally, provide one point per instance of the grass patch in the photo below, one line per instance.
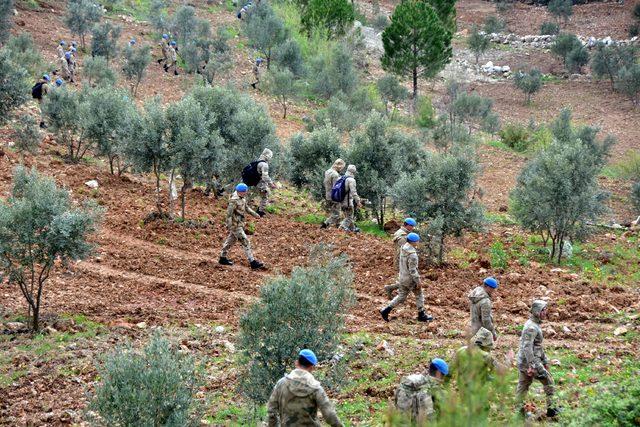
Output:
(496, 143)
(7, 379)
(371, 227)
(628, 168)
(499, 218)
(311, 218)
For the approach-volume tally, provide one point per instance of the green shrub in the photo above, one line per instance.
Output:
(561, 9)
(515, 136)
(380, 22)
(498, 256)
(478, 42)
(629, 83)
(540, 139)
(23, 51)
(636, 11)
(333, 15)
(13, 85)
(425, 113)
(6, 19)
(576, 59)
(635, 196)
(634, 29)
(528, 82)
(27, 135)
(98, 72)
(154, 387)
(493, 24)
(549, 28)
(615, 404)
(304, 310)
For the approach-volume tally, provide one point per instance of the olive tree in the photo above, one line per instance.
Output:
(334, 73)
(281, 83)
(220, 58)
(561, 9)
(6, 19)
(574, 55)
(80, 17)
(40, 228)
(13, 85)
(265, 30)
(557, 193)
(136, 60)
(98, 72)
(62, 110)
(104, 40)
(607, 61)
(528, 82)
(332, 15)
(23, 51)
(478, 42)
(629, 83)
(27, 135)
(391, 92)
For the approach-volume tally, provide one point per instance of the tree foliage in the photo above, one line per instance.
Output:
(561, 9)
(62, 109)
(288, 55)
(39, 227)
(23, 51)
(98, 72)
(528, 82)
(629, 83)
(136, 60)
(391, 91)
(265, 30)
(281, 84)
(478, 42)
(27, 135)
(153, 387)
(105, 40)
(13, 85)
(607, 61)
(6, 19)
(81, 16)
(332, 15)
(570, 49)
(557, 192)
(334, 73)
(315, 299)
(494, 24)
(417, 42)
(549, 29)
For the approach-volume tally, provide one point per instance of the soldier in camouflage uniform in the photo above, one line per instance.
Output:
(63, 67)
(399, 239)
(236, 212)
(480, 307)
(297, 397)
(415, 395)
(480, 346)
(266, 183)
(164, 46)
(532, 361)
(332, 175)
(351, 201)
(172, 58)
(60, 49)
(409, 280)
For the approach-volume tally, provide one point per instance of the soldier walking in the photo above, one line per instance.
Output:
(399, 239)
(39, 91)
(532, 360)
(332, 175)
(236, 212)
(256, 72)
(351, 201)
(416, 394)
(481, 307)
(297, 397)
(409, 280)
(60, 49)
(480, 346)
(172, 58)
(266, 183)
(164, 46)
(63, 66)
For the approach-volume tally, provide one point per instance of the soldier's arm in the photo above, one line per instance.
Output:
(264, 173)
(528, 336)
(231, 209)
(327, 409)
(354, 192)
(487, 319)
(273, 408)
(412, 263)
(252, 212)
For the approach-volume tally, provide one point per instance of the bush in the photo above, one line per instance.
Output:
(265, 30)
(629, 83)
(634, 29)
(154, 387)
(281, 84)
(380, 22)
(612, 404)
(564, 45)
(27, 135)
(561, 9)
(636, 11)
(576, 59)
(333, 15)
(13, 86)
(220, 59)
(478, 42)
(62, 110)
(23, 51)
(304, 310)
(310, 156)
(334, 73)
(40, 228)
(607, 61)
(493, 24)
(80, 17)
(6, 19)
(105, 40)
(135, 64)
(158, 15)
(288, 55)
(515, 136)
(426, 113)
(498, 256)
(391, 91)
(98, 72)
(549, 28)
(528, 82)
(635, 196)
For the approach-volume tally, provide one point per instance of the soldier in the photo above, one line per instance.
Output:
(416, 394)
(351, 201)
(409, 280)
(297, 396)
(256, 72)
(59, 82)
(481, 345)
(331, 175)
(39, 91)
(172, 59)
(532, 361)
(266, 183)
(73, 65)
(399, 239)
(236, 212)
(63, 66)
(164, 45)
(60, 49)
(480, 303)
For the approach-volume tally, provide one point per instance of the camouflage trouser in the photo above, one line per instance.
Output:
(404, 288)
(264, 197)
(237, 235)
(393, 287)
(40, 102)
(171, 64)
(348, 223)
(333, 212)
(524, 382)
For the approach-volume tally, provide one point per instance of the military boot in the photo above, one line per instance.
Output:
(385, 313)
(225, 261)
(424, 317)
(552, 412)
(261, 213)
(255, 264)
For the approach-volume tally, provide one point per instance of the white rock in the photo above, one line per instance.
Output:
(506, 69)
(621, 330)
(229, 346)
(141, 325)
(219, 329)
(15, 326)
(92, 184)
(566, 330)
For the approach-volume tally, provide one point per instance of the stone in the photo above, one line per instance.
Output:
(141, 325)
(93, 184)
(566, 330)
(15, 326)
(550, 331)
(385, 346)
(219, 329)
(621, 330)
(229, 346)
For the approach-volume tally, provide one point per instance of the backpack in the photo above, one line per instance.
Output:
(413, 398)
(339, 190)
(250, 174)
(36, 90)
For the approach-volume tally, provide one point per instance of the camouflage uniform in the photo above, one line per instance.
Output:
(45, 91)
(531, 355)
(164, 45)
(265, 184)
(408, 277)
(236, 212)
(414, 396)
(332, 175)
(481, 344)
(295, 401)
(481, 311)
(72, 66)
(351, 201)
(399, 239)
(65, 73)
(60, 51)
(172, 60)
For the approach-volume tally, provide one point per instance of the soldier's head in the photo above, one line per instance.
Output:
(351, 169)
(165, 36)
(438, 368)
(173, 43)
(46, 78)
(339, 165)
(242, 189)
(413, 239)
(307, 360)
(490, 285)
(410, 223)
(59, 82)
(539, 309)
(266, 154)
(483, 339)
(62, 43)
(67, 55)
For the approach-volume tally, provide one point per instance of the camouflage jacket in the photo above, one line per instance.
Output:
(399, 239)
(330, 177)
(480, 348)
(263, 171)
(237, 210)
(172, 54)
(295, 402)
(60, 51)
(408, 264)
(351, 198)
(414, 397)
(531, 354)
(481, 307)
